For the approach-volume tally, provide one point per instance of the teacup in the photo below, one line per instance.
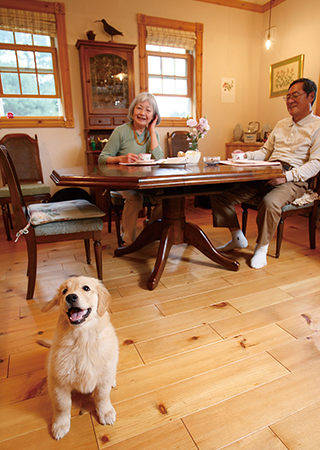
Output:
(144, 156)
(238, 154)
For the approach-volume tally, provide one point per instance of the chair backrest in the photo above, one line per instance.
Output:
(24, 152)
(17, 200)
(314, 183)
(177, 142)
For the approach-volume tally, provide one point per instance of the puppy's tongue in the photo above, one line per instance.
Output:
(77, 314)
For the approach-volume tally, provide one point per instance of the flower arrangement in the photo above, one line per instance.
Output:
(196, 131)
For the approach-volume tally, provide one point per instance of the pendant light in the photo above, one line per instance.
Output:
(268, 43)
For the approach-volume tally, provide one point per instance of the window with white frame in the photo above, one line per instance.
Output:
(171, 66)
(170, 79)
(33, 92)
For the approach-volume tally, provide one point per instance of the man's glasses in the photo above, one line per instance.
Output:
(294, 96)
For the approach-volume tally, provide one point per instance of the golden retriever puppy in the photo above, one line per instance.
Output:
(84, 353)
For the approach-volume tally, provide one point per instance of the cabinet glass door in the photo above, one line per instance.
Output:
(109, 83)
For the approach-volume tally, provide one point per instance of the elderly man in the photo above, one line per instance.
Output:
(295, 142)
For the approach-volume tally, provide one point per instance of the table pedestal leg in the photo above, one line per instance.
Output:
(173, 229)
(195, 236)
(151, 233)
(162, 256)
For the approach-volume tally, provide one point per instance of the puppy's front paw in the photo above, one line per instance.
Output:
(107, 418)
(60, 429)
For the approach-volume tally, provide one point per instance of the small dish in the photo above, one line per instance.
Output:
(211, 160)
(171, 161)
(141, 163)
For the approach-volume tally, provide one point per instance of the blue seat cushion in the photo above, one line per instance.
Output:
(70, 226)
(44, 213)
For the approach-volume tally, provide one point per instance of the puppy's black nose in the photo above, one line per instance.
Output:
(71, 298)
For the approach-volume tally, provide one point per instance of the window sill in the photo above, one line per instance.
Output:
(173, 122)
(36, 122)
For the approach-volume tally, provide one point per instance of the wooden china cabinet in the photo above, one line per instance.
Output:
(107, 78)
(108, 89)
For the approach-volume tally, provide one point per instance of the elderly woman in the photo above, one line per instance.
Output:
(125, 144)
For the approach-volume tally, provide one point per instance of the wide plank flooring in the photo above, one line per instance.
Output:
(209, 360)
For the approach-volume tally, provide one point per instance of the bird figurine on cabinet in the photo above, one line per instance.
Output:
(109, 29)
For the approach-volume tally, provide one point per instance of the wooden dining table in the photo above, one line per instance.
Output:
(171, 184)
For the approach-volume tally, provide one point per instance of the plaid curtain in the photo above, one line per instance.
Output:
(27, 22)
(169, 37)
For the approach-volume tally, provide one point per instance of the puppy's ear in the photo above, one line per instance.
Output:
(55, 301)
(104, 299)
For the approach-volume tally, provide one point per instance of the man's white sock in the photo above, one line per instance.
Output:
(259, 258)
(238, 240)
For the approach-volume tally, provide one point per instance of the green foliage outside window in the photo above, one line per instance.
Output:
(28, 80)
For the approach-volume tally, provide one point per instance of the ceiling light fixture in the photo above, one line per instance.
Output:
(268, 42)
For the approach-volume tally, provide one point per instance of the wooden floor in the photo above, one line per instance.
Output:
(211, 359)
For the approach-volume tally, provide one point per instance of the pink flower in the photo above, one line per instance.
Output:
(196, 131)
(10, 115)
(191, 123)
(203, 121)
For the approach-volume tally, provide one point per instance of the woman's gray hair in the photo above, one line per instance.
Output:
(145, 97)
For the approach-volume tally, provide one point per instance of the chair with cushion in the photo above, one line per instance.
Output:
(177, 142)
(24, 152)
(52, 222)
(304, 205)
(118, 203)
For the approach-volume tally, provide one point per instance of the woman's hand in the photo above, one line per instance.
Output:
(152, 124)
(129, 158)
(152, 130)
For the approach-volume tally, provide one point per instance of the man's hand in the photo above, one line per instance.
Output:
(276, 181)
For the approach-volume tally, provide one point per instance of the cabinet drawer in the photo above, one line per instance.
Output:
(100, 120)
(120, 120)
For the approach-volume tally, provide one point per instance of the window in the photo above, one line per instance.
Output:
(171, 66)
(170, 79)
(32, 48)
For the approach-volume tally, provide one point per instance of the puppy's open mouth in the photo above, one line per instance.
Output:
(77, 315)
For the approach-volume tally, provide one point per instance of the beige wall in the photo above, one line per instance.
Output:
(233, 47)
(297, 32)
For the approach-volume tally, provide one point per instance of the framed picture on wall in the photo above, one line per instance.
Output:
(283, 73)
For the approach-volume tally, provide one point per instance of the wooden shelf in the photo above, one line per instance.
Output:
(245, 147)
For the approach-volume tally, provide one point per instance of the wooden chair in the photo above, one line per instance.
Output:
(118, 204)
(24, 152)
(71, 228)
(177, 142)
(290, 210)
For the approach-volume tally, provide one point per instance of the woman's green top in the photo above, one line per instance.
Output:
(122, 142)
